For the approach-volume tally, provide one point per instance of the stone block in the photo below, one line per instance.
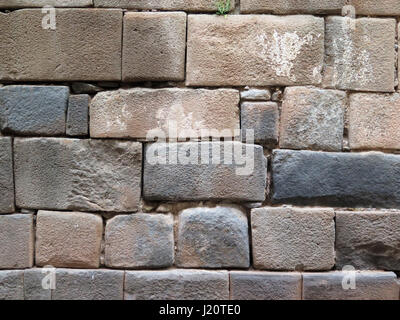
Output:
(78, 115)
(6, 176)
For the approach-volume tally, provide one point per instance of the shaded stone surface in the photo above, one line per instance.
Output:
(213, 238)
(292, 6)
(12, 285)
(41, 3)
(78, 115)
(33, 284)
(253, 94)
(6, 176)
(177, 285)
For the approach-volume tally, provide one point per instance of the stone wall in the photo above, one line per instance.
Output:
(157, 150)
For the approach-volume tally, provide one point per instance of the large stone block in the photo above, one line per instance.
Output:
(292, 6)
(377, 8)
(68, 239)
(33, 110)
(312, 118)
(368, 240)
(34, 279)
(251, 285)
(88, 285)
(177, 285)
(6, 176)
(9, 4)
(336, 179)
(360, 54)
(140, 241)
(177, 112)
(78, 115)
(12, 285)
(350, 285)
(86, 45)
(16, 241)
(204, 171)
(293, 239)
(213, 238)
(374, 120)
(154, 46)
(254, 50)
(81, 175)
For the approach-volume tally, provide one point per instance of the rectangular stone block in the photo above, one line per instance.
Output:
(312, 118)
(360, 54)
(88, 285)
(154, 46)
(368, 240)
(350, 285)
(253, 94)
(12, 285)
(16, 241)
(143, 113)
(6, 176)
(140, 241)
(252, 285)
(293, 238)
(78, 175)
(68, 239)
(336, 179)
(10, 4)
(33, 284)
(177, 285)
(377, 8)
(194, 171)
(86, 45)
(257, 50)
(78, 115)
(33, 110)
(381, 110)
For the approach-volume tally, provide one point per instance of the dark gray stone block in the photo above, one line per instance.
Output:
(6, 176)
(78, 115)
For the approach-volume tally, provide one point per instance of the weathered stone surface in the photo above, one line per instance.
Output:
(140, 241)
(16, 241)
(177, 112)
(6, 176)
(246, 285)
(374, 121)
(293, 238)
(213, 238)
(360, 54)
(336, 179)
(177, 285)
(12, 285)
(88, 285)
(81, 175)
(78, 115)
(33, 110)
(369, 285)
(377, 8)
(292, 6)
(312, 118)
(33, 284)
(368, 240)
(41, 3)
(154, 46)
(263, 118)
(83, 87)
(204, 171)
(86, 45)
(68, 239)
(254, 50)
(256, 95)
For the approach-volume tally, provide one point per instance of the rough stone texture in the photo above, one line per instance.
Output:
(370, 285)
(33, 284)
(81, 175)
(16, 241)
(33, 110)
(12, 285)
(201, 171)
(41, 3)
(177, 285)
(254, 50)
(292, 6)
(377, 8)
(6, 176)
(360, 54)
(293, 238)
(263, 118)
(312, 118)
(154, 46)
(213, 238)
(89, 285)
(368, 240)
(140, 241)
(78, 115)
(256, 95)
(134, 112)
(336, 179)
(86, 45)
(68, 239)
(374, 121)
(265, 285)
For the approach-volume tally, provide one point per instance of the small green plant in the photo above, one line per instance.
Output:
(223, 7)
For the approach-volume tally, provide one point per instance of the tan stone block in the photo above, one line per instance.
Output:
(377, 8)
(41, 3)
